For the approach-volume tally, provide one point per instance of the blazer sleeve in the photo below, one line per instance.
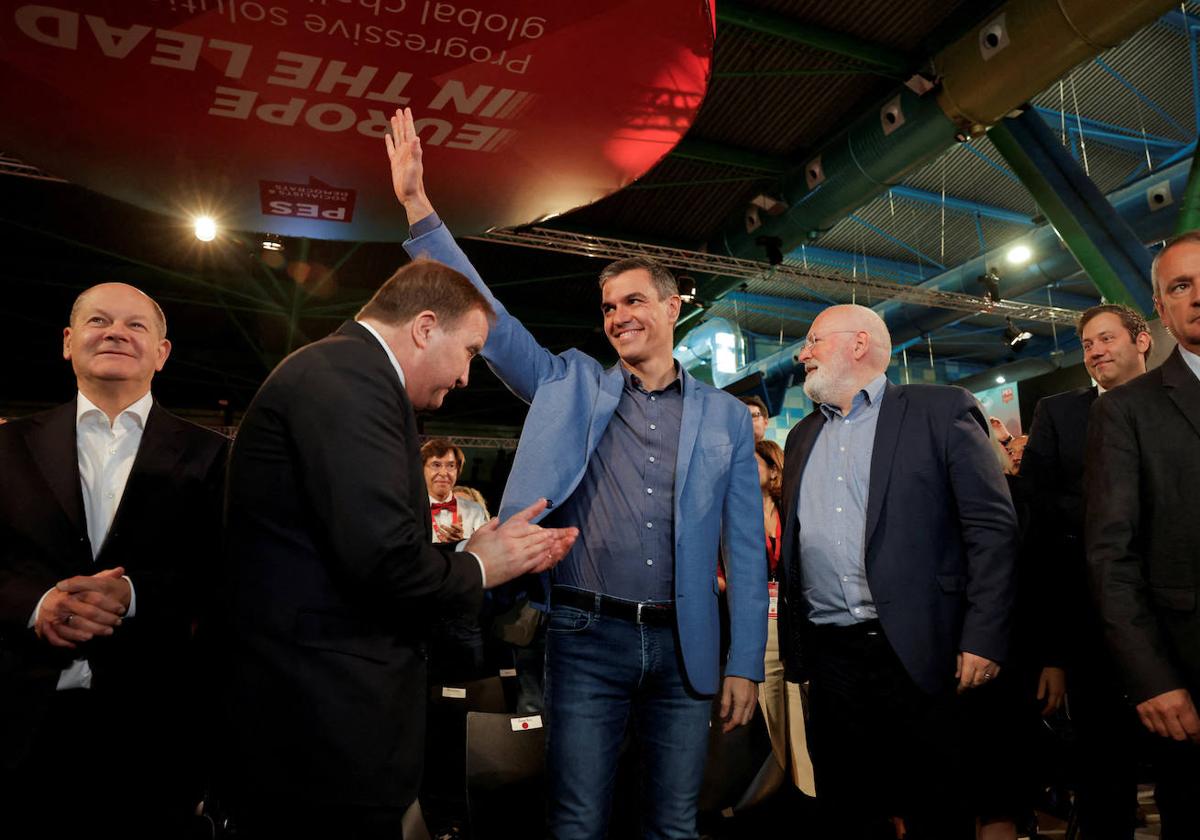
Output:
(355, 463)
(989, 532)
(1114, 554)
(511, 350)
(743, 550)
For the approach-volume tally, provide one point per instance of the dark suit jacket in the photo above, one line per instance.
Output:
(1058, 609)
(165, 534)
(1143, 549)
(332, 581)
(941, 532)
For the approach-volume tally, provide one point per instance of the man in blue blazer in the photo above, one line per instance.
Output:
(622, 453)
(899, 555)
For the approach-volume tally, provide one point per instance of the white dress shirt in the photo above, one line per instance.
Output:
(106, 453)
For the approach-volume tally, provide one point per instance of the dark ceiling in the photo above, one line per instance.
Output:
(236, 310)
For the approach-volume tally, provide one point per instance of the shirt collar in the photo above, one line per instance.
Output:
(391, 356)
(871, 393)
(139, 410)
(1191, 360)
(633, 381)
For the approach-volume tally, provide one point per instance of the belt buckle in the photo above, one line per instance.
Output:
(638, 620)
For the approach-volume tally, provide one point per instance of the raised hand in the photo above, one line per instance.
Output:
(408, 171)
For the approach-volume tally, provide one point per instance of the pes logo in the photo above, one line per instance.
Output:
(314, 200)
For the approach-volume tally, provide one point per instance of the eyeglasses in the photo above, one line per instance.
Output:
(813, 340)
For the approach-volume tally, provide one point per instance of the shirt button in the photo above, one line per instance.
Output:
(652, 398)
(653, 427)
(839, 510)
(649, 562)
(840, 478)
(857, 611)
(845, 578)
(841, 449)
(651, 459)
(649, 524)
(109, 494)
(112, 451)
(845, 421)
(650, 490)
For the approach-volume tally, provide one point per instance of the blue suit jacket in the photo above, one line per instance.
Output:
(941, 533)
(717, 497)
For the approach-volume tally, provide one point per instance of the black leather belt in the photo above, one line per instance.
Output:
(858, 630)
(656, 615)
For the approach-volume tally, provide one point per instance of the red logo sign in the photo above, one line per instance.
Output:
(314, 200)
(1006, 396)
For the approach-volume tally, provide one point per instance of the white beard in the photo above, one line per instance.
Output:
(821, 385)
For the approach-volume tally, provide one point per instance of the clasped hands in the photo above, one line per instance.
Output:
(80, 608)
(518, 546)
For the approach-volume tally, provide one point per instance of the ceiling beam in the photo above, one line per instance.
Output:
(826, 40)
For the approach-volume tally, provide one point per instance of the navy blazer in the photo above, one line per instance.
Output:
(717, 497)
(941, 533)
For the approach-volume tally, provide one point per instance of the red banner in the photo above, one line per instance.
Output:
(270, 115)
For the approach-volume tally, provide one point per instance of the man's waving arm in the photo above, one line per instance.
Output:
(512, 352)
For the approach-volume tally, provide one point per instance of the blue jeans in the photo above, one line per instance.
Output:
(600, 672)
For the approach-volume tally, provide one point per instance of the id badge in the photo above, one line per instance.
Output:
(773, 596)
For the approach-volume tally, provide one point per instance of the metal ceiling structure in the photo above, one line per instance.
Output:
(788, 76)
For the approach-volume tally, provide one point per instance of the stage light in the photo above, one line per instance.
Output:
(1016, 338)
(991, 285)
(206, 228)
(999, 380)
(272, 242)
(1019, 255)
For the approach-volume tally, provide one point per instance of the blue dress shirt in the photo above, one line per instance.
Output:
(832, 511)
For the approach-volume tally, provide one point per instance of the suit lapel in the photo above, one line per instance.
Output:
(1183, 388)
(689, 428)
(887, 435)
(52, 445)
(157, 457)
(793, 469)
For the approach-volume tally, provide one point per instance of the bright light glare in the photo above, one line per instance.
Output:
(726, 358)
(999, 380)
(206, 228)
(1019, 254)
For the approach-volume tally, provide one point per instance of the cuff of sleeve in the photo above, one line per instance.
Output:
(482, 573)
(132, 598)
(37, 608)
(424, 226)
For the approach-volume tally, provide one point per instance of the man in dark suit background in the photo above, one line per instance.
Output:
(109, 519)
(899, 551)
(1142, 547)
(1116, 343)
(332, 580)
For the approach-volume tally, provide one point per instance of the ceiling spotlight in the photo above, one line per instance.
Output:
(272, 242)
(205, 228)
(991, 285)
(1019, 254)
(774, 248)
(1016, 338)
(999, 380)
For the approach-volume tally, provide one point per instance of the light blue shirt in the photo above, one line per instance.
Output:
(832, 511)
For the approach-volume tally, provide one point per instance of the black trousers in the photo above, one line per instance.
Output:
(1110, 739)
(882, 747)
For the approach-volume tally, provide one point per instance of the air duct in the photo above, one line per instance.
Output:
(999, 64)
